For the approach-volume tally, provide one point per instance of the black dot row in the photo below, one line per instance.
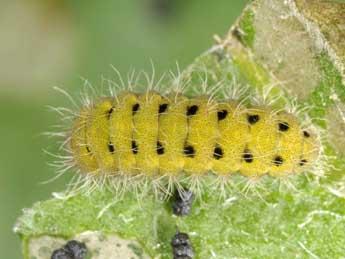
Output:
(222, 114)
(282, 126)
(277, 161)
(189, 151)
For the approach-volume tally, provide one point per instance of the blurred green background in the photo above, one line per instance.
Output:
(46, 43)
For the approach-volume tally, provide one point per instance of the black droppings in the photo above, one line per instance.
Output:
(302, 162)
(183, 201)
(160, 148)
(283, 126)
(108, 114)
(77, 248)
(252, 119)
(278, 161)
(189, 151)
(183, 252)
(135, 108)
(111, 147)
(192, 110)
(134, 147)
(217, 153)
(222, 114)
(247, 156)
(72, 250)
(306, 134)
(180, 239)
(182, 246)
(88, 149)
(62, 253)
(162, 108)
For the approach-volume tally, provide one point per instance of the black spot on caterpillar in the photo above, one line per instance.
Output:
(218, 153)
(135, 149)
(252, 119)
(160, 148)
(306, 134)
(111, 148)
(283, 126)
(192, 110)
(109, 112)
(248, 156)
(222, 114)
(189, 151)
(163, 107)
(135, 108)
(303, 162)
(278, 161)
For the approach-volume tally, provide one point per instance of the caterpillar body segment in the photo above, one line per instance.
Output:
(290, 144)
(145, 132)
(232, 128)
(169, 135)
(262, 142)
(200, 140)
(121, 134)
(172, 132)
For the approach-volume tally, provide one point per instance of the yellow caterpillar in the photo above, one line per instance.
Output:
(168, 135)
